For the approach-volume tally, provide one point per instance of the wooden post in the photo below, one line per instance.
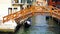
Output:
(3, 19)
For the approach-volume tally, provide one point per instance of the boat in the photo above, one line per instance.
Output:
(27, 24)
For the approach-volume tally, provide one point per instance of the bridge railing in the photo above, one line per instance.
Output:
(32, 10)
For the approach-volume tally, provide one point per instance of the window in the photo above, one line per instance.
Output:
(54, 0)
(16, 1)
(29, 1)
(22, 1)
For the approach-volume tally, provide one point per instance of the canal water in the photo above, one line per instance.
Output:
(40, 25)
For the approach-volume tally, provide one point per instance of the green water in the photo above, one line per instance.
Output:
(40, 26)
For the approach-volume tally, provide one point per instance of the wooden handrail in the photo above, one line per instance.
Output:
(32, 10)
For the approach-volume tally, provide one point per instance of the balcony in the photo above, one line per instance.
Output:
(17, 2)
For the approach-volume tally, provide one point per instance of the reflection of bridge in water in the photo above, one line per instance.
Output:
(28, 12)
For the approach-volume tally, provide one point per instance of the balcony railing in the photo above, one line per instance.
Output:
(21, 2)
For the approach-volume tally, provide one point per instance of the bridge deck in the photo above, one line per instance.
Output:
(54, 12)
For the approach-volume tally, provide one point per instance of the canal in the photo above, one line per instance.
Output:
(40, 25)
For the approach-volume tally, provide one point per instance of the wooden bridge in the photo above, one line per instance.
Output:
(28, 12)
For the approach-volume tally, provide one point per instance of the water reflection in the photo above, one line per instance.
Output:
(40, 20)
(40, 26)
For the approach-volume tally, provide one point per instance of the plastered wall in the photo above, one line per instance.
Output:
(4, 4)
